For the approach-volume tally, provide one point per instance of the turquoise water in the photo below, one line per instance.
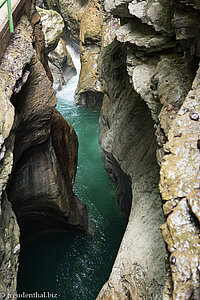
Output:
(73, 265)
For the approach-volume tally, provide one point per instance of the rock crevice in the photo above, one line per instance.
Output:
(158, 47)
(32, 175)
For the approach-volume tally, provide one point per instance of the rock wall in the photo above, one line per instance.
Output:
(59, 58)
(127, 132)
(97, 30)
(72, 12)
(150, 78)
(32, 175)
(11, 73)
(61, 65)
(92, 29)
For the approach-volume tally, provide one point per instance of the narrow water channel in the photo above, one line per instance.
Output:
(71, 264)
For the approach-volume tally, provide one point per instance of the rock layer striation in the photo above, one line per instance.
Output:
(35, 141)
(150, 78)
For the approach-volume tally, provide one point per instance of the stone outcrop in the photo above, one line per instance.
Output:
(72, 12)
(61, 65)
(65, 143)
(127, 132)
(157, 53)
(89, 90)
(20, 48)
(41, 196)
(32, 177)
(179, 186)
(97, 30)
(60, 61)
(52, 26)
(33, 110)
(90, 27)
(9, 248)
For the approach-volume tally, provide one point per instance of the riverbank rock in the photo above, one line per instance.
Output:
(40, 196)
(61, 65)
(60, 61)
(27, 104)
(96, 31)
(53, 205)
(161, 59)
(20, 50)
(65, 143)
(127, 132)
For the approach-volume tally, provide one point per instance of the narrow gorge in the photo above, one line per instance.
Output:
(100, 156)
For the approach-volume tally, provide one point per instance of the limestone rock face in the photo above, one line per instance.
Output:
(127, 132)
(72, 12)
(95, 28)
(53, 204)
(39, 196)
(179, 185)
(90, 46)
(87, 24)
(27, 104)
(159, 47)
(9, 248)
(52, 26)
(12, 78)
(65, 143)
(60, 61)
(61, 65)
(33, 116)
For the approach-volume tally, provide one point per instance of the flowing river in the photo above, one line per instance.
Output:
(73, 265)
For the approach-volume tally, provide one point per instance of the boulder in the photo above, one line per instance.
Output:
(52, 26)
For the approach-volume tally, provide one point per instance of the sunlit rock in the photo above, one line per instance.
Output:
(52, 26)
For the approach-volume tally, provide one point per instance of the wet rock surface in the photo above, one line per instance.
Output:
(127, 132)
(161, 47)
(122, 183)
(59, 58)
(65, 144)
(97, 30)
(40, 196)
(27, 104)
(61, 65)
(19, 49)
